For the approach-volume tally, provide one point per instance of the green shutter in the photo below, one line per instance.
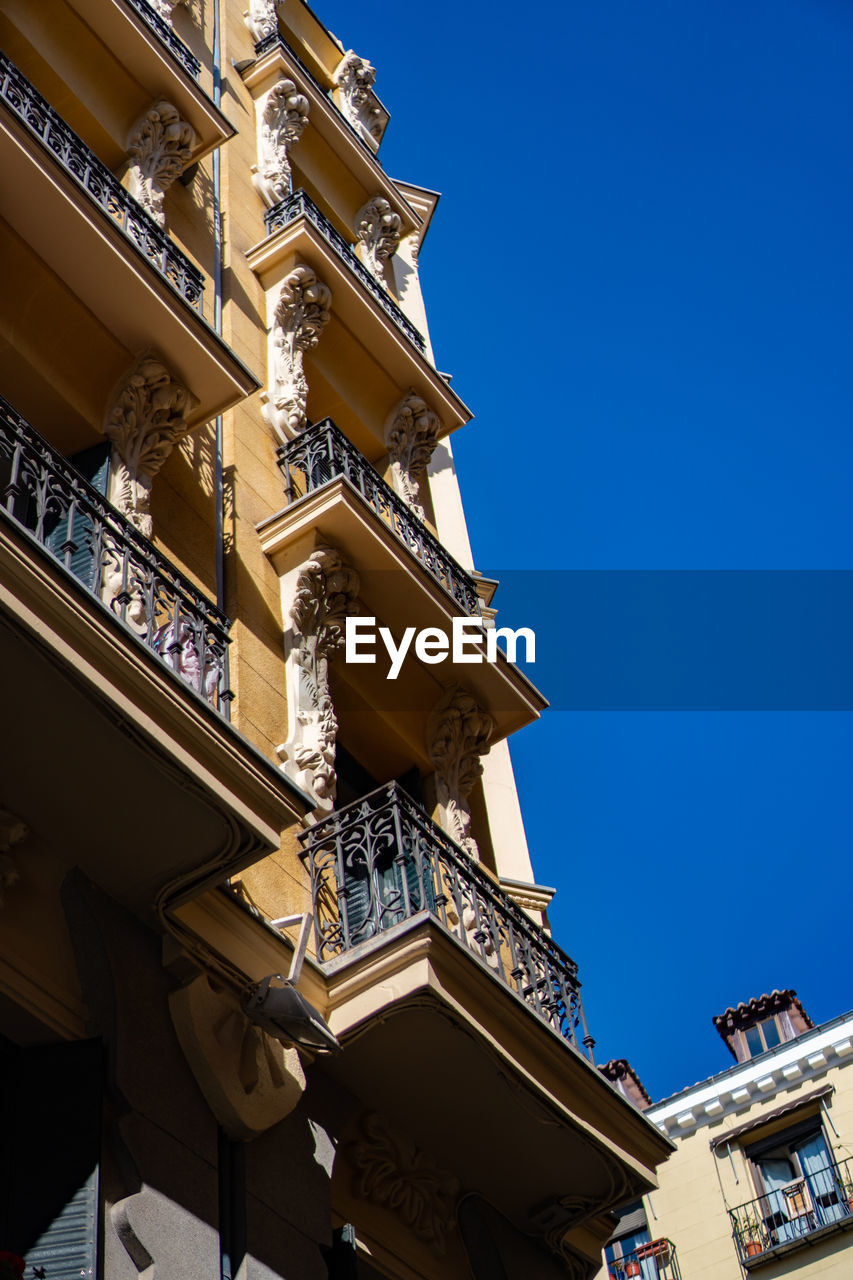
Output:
(50, 1112)
(94, 466)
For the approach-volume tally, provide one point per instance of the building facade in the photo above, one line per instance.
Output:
(761, 1181)
(278, 995)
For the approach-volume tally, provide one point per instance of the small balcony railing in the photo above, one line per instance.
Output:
(173, 43)
(99, 184)
(300, 205)
(45, 496)
(655, 1260)
(322, 453)
(822, 1198)
(382, 861)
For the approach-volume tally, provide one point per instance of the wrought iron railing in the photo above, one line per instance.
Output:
(174, 44)
(300, 205)
(821, 1198)
(322, 452)
(655, 1260)
(275, 40)
(99, 184)
(382, 860)
(44, 495)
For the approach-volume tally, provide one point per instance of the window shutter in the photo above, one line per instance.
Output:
(94, 466)
(50, 1106)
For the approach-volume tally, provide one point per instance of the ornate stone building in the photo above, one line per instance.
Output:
(278, 995)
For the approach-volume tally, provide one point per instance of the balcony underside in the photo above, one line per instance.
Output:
(102, 66)
(442, 1050)
(80, 302)
(116, 766)
(363, 365)
(400, 592)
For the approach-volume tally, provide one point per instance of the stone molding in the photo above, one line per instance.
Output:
(160, 147)
(12, 832)
(378, 229)
(249, 1080)
(281, 123)
(396, 1175)
(411, 436)
(145, 418)
(353, 79)
(301, 315)
(457, 735)
(325, 593)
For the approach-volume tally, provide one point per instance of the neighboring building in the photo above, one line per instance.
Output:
(762, 1177)
(204, 264)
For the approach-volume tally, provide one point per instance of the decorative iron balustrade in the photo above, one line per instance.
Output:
(822, 1198)
(44, 495)
(655, 1260)
(300, 205)
(382, 860)
(161, 27)
(275, 40)
(322, 453)
(100, 185)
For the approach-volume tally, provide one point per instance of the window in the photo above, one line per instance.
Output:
(764, 1035)
(799, 1184)
(620, 1255)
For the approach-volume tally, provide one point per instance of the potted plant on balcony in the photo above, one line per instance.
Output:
(751, 1236)
(632, 1268)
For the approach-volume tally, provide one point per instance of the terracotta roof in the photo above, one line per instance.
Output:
(752, 1011)
(620, 1069)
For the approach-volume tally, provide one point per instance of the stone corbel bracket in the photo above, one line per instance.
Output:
(249, 1080)
(261, 19)
(353, 80)
(160, 147)
(145, 418)
(411, 435)
(378, 229)
(282, 117)
(300, 315)
(323, 591)
(458, 734)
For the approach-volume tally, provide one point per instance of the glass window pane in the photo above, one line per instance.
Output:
(754, 1041)
(771, 1033)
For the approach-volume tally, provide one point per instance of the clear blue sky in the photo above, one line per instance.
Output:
(641, 276)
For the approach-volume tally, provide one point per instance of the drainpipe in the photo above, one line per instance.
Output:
(219, 477)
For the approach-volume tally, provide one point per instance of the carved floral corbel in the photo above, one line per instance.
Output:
(261, 19)
(325, 593)
(166, 8)
(395, 1174)
(353, 78)
(378, 228)
(301, 315)
(281, 123)
(145, 418)
(457, 735)
(12, 832)
(160, 147)
(411, 435)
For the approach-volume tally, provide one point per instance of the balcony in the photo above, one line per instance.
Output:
(300, 205)
(44, 495)
(382, 861)
(798, 1214)
(107, 61)
(655, 1260)
(91, 280)
(322, 453)
(163, 31)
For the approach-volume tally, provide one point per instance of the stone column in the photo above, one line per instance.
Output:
(301, 315)
(458, 733)
(411, 435)
(160, 148)
(281, 123)
(324, 593)
(378, 228)
(145, 418)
